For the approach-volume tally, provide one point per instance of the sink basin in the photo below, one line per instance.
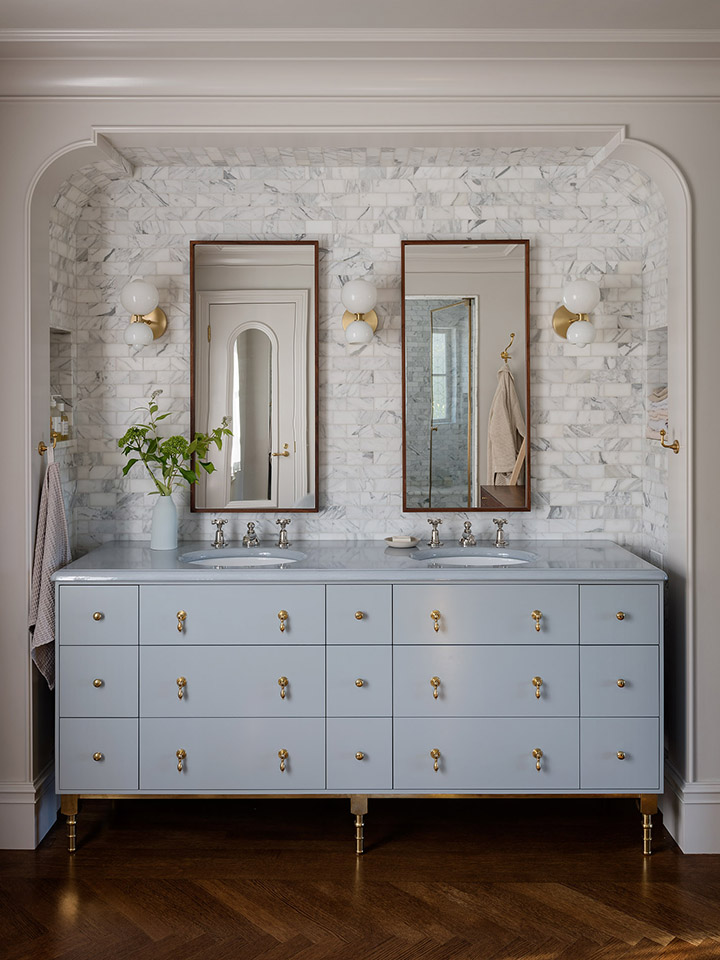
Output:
(472, 557)
(243, 557)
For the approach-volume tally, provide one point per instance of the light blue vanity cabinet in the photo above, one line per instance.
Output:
(360, 672)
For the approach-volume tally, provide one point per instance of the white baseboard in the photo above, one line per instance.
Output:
(27, 811)
(691, 813)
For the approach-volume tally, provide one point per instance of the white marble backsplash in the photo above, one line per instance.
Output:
(593, 472)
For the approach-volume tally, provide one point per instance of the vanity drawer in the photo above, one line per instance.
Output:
(80, 740)
(359, 681)
(223, 681)
(481, 755)
(485, 613)
(611, 613)
(237, 614)
(485, 681)
(601, 669)
(372, 738)
(80, 694)
(600, 742)
(232, 754)
(372, 602)
(98, 615)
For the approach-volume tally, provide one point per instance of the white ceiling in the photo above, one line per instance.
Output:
(476, 14)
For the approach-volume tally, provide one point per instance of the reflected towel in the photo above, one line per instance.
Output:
(52, 551)
(506, 430)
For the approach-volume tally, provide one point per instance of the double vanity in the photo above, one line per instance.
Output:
(352, 669)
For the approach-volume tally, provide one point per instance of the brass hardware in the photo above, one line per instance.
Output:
(283, 754)
(537, 617)
(42, 447)
(181, 618)
(98, 756)
(359, 615)
(370, 319)
(181, 682)
(537, 683)
(180, 754)
(621, 682)
(282, 683)
(156, 320)
(538, 755)
(71, 832)
(282, 617)
(435, 616)
(435, 754)
(359, 682)
(97, 682)
(435, 683)
(504, 355)
(620, 754)
(98, 615)
(359, 755)
(674, 446)
(647, 834)
(285, 452)
(620, 615)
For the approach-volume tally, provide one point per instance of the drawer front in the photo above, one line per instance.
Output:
(372, 602)
(232, 754)
(610, 613)
(372, 739)
(601, 740)
(98, 615)
(359, 681)
(232, 681)
(79, 740)
(98, 682)
(485, 681)
(237, 614)
(485, 613)
(619, 681)
(484, 755)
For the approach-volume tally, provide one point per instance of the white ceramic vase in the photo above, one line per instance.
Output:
(164, 524)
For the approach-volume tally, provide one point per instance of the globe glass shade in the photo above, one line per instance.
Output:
(359, 332)
(581, 296)
(139, 297)
(138, 334)
(359, 296)
(581, 333)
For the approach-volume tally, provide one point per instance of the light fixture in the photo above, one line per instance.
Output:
(359, 320)
(571, 321)
(148, 321)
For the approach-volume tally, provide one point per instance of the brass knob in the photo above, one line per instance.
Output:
(359, 682)
(98, 756)
(180, 754)
(621, 682)
(537, 683)
(620, 615)
(435, 754)
(537, 754)
(98, 615)
(181, 618)
(359, 755)
(359, 615)
(537, 617)
(282, 617)
(282, 683)
(283, 754)
(435, 616)
(97, 682)
(181, 683)
(620, 754)
(435, 683)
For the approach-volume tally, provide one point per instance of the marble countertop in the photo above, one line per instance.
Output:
(128, 561)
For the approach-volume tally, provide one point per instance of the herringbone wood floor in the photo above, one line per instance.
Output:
(278, 879)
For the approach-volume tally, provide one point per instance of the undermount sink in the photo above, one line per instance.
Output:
(472, 557)
(239, 557)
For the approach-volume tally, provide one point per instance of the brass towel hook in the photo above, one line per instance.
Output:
(674, 446)
(42, 447)
(504, 355)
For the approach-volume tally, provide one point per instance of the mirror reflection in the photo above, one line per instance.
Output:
(253, 359)
(465, 376)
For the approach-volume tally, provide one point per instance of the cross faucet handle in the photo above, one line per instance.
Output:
(283, 537)
(435, 535)
(219, 523)
(500, 540)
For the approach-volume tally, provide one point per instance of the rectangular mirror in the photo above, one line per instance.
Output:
(466, 377)
(253, 358)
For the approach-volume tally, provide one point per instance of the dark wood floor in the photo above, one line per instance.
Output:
(279, 879)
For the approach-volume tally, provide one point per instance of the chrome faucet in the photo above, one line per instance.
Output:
(434, 540)
(250, 539)
(467, 539)
(219, 540)
(500, 540)
(282, 536)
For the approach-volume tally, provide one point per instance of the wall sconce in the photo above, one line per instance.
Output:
(359, 320)
(571, 321)
(148, 321)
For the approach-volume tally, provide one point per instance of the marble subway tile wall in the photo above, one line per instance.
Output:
(588, 406)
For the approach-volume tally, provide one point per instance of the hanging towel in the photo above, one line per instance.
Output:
(506, 430)
(52, 551)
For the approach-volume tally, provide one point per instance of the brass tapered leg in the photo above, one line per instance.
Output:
(69, 806)
(648, 806)
(359, 806)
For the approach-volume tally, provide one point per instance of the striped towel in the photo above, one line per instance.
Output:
(52, 551)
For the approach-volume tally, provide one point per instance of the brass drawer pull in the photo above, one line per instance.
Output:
(282, 617)
(537, 617)
(537, 682)
(180, 754)
(181, 684)
(283, 754)
(435, 617)
(98, 615)
(620, 615)
(435, 754)
(359, 615)
(98, 682)
(359, 755)
(538, 755)
(620, 754)
(181, 618)
(98, 756)
(283, 683)
(621, 682)
(359, 682)
(435, 683)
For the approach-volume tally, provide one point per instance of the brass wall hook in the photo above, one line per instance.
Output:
(674, 446)
(504, 355)
(42, 447)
